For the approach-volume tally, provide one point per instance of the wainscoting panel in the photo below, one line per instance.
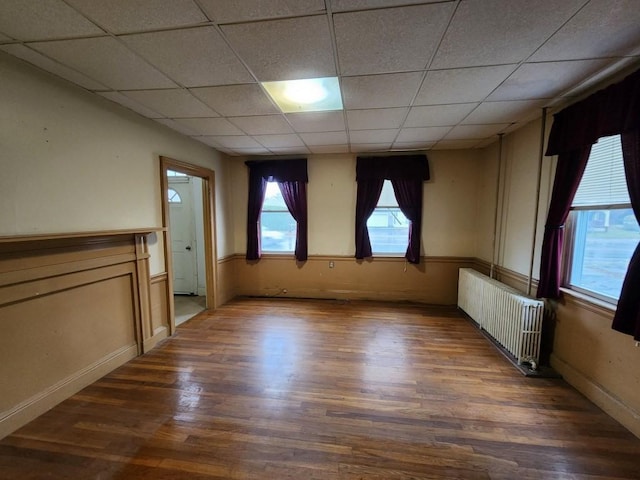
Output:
(72, 308)
(433, 281)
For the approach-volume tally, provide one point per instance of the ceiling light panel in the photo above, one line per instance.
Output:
(306, 95)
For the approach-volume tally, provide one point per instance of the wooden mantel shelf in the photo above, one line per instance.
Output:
(76, 235)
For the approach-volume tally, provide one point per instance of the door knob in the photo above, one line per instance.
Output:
(188, 247)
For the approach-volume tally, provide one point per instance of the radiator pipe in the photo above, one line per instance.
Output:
(495, 213)
(543, 127)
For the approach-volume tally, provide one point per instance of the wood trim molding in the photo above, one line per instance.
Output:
(209, 210)
(84, 235)
(38, 404)
(158, 278)
(598, 395)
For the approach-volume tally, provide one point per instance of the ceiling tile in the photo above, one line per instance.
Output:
(378, 118)
(43, 20)
(423, 134)
(289, 150)
(544, 80)
(373, 136)
(456, 144)
(262, 124)
(468, 132)
(122, 16)
(225, 11)
(233, 141)
(494, 32)
(172, 103)
(269, 141)
(130, 104)
(287, 49)
(412, 146)
(389, 40)
(438, 115)
(324, 138)
(346, 5)
(106, 60)
(505, 112)
(192, 57)
(317, 121)
(176, 126)
(236, 100)
(380, 91)
(52, 66)
(461, 85)
(370, 147)
(603, 28)
(251, 151)
(210, 126)
(323, 149)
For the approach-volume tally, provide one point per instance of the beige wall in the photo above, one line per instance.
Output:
(449, 213)
(71, 161)
(586, 351)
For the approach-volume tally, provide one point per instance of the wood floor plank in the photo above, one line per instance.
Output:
(326, 390)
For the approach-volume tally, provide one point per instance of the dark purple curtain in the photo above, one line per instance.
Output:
(257, 187)
(627, 316)
(366, 200)
(614, 110)
(281, 171)
(409, 196)
(409, 171)
(569, 172)
(295, 197)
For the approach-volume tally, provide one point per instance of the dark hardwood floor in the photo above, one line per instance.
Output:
(288, 389)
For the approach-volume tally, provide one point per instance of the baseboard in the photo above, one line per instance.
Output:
(35, 406)
(626, 416)
(159, 334)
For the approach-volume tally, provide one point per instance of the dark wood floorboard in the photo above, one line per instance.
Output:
(289, 389)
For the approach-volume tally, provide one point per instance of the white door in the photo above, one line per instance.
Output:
(183, 244)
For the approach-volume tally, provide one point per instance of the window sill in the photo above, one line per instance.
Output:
(588, 302)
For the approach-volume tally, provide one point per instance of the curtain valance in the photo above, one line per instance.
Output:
(610, 111)
(395, 167)
(280, 170)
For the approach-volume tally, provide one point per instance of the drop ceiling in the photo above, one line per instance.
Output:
(415, 75)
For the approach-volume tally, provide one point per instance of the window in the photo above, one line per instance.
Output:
(277, 225)
(174, 197)
(388, 227)
(602, 231)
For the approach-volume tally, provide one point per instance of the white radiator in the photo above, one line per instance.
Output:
(511, 318)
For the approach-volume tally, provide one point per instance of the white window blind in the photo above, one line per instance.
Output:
(603, 182)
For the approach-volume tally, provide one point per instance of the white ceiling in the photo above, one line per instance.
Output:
(415, 75)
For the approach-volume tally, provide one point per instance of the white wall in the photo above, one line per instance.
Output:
(449, 214)
(72, 161)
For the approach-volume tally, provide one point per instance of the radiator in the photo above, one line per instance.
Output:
(511, 318)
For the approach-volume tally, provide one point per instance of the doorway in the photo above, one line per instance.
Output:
(189, 238)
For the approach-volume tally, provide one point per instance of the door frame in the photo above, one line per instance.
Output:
(209, 211)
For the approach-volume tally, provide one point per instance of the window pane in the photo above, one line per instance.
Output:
(277, 226)
(604, 241)
(388, 230)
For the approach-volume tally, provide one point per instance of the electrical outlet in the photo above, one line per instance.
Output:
(331, 264)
